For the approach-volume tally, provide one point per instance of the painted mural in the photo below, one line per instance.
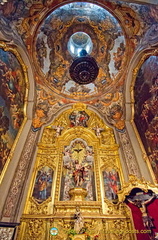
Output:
(146, 109)
(111, 183)
(78, 169)
(12, 96)
(43, 184)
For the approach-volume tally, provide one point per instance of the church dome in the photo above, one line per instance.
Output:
(68, 30)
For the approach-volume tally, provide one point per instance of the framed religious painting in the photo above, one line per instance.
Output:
(43, 184)
(112, 183)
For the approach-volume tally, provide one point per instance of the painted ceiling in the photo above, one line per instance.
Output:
(53, 58)
(115, 28)
(117, 31)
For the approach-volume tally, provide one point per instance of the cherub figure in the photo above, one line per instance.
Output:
(98, 131)
(58, 130)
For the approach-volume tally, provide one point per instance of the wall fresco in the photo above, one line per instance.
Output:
(12, 94)
(146, 108)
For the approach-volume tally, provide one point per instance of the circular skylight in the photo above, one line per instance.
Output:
(80, 44)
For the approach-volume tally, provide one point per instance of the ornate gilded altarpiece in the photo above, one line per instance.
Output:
(87, 147)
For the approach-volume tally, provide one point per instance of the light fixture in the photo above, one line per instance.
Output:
(84, 69)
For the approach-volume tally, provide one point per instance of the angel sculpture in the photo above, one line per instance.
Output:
(98, 131)
(58, 130)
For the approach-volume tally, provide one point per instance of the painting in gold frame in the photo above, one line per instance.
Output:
(43, 184)
(111, 183)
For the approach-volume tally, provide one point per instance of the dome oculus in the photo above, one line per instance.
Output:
(78, 43)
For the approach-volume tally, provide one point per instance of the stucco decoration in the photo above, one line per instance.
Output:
(129, 155)
(24, 15)
(115, 33)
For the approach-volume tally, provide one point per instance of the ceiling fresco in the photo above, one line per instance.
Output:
(116, 31)
(54, 59)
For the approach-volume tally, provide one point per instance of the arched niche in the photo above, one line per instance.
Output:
(79, 163)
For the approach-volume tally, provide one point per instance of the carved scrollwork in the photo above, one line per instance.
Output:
(119, 230)
(35, 229)
(35, 208)
(117, 208)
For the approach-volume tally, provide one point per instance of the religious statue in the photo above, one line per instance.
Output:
(98, 131)
(79, 221)
(141, 200)
(58, 130)
(78, 162)
(78, 174)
